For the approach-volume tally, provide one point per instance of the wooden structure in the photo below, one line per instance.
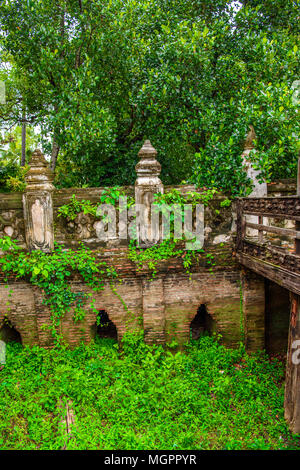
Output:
(277, 263)
(280, 263)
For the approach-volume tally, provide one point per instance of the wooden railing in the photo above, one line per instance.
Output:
(255, 246)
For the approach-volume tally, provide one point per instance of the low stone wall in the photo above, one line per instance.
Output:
(219, 226)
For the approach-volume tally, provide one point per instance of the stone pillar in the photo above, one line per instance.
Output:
(259, 189)
(146, 185)
(253, 305)
(292, 380)
(37, 204)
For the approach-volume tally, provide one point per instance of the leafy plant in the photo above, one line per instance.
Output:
(109, 196)
(142, 397)
(164, 250)
(51, 272)
(191, 76)
(174, 196)
(75, 207)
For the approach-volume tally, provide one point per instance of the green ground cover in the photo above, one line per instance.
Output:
(142, 397)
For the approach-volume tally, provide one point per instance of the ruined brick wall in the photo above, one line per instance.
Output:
(164, 306)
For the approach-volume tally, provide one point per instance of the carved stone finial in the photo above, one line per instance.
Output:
(37, 159)
(148, 165)
(39, 175)
(147, 149)
(147, 184)
(248, 145)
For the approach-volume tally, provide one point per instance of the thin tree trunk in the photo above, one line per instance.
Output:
(54, 154)
(23, 156)
(55, 146)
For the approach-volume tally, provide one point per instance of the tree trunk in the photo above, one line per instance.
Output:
(54, 154)
(23, 156)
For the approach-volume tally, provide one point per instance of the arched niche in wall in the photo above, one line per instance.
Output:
(202, 324)
(104, 327)
(9, 334)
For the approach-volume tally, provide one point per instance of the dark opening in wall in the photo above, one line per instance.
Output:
(9, 334)
(105, 328)
(202, 324)
(277, 317)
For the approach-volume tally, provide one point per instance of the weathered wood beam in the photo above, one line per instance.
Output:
(281, 276)
(280, 231)
(67, 420)
(272, 215)
(260, 232)
(292, 381)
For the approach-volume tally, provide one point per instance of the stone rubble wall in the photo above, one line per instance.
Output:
(219, 228)
(83, 228)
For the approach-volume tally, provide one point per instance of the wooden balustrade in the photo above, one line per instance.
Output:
(258, 252)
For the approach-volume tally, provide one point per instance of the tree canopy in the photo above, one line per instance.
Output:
(99, 77)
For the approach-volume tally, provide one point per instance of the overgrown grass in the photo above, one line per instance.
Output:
(142, 397)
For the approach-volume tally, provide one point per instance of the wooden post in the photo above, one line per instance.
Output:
(260, 232)
(292, 382)
(297, 240)
(240, 224)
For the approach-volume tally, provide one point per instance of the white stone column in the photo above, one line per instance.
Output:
(146, 185)
(259, 189)
(37, 204)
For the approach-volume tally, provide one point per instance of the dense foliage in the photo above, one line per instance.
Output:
(142, 397)
(99, 77)
(11, 172)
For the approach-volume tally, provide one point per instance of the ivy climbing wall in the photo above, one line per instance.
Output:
(164, 306)
(159, 292)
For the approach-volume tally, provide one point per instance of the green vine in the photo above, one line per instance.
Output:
(152, 255)
(174, 196)
(171, 248)
(165, 250)
(75, 207)
(108, 196)
(51, 273)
